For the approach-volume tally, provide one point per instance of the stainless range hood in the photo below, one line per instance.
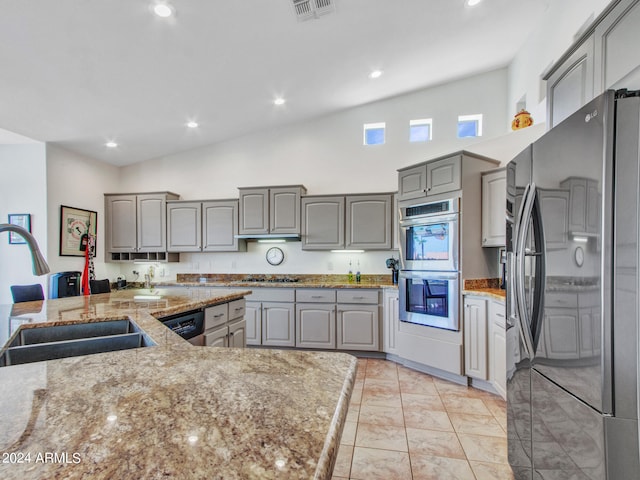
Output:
(271, 237)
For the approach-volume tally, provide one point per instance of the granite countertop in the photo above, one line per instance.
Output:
(484, 287)
(169, 411)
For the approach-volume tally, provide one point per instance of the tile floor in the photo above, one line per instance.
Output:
(404, 424)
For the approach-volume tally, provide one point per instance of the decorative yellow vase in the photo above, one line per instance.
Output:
(522, 120)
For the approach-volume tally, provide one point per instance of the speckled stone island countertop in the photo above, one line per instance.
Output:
(170, 411)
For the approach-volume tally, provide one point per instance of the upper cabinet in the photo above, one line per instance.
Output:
(135, 226)
(584, 205)
(209, 226)
(431, 178)
(601, 59)
(494, 199)
(270, 210)
(334, 222)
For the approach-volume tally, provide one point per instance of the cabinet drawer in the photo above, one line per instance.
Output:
(561, 300)
(237, 309)
(272, 295)
(357, 296)
(215, 316)
(316, 295)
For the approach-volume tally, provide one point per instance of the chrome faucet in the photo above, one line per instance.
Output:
(40, 266)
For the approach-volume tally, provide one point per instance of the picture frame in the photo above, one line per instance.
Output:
(22, 220)
(76, 223)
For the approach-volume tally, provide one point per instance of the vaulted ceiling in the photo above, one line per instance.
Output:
(81, 73)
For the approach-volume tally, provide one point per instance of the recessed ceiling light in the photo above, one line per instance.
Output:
(163, 10)
(279, 101)
(192, 124)
(472, 3)
(111, 144)
(375, 74)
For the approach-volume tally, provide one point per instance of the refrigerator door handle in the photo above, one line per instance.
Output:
(521, 236)
(540, 254)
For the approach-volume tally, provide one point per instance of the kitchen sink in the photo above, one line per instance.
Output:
(61, 341)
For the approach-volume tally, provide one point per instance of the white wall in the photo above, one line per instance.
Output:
(23, 189)
(327, 156)
(562, 21)
(77, 181)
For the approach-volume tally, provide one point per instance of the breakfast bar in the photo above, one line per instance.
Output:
(171, 410)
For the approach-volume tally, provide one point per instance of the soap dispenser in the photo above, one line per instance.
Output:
(358, 273)
(350, 274)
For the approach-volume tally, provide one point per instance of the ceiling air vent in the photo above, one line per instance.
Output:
(310, 9)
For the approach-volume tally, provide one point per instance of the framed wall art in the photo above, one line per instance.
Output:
(22, 220)
(76, 225)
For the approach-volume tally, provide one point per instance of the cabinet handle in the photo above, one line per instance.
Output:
(316, 296)
(424, 190)
(484, 240)
(500, 314)
(218, 315)
(358, 298)
(239, 308)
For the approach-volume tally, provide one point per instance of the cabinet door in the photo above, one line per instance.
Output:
(278, 324)
(237, 334)
(571, 85)
(368, 222)
(561, 333)
(577, 216)
(390, 321)
(614, 60)
(555, 217)
(253, 319)
(254, 211)
(184, 224)
(217, 338)
(284, 210)
(475, 337)
(120, 223)
(444, 175)
(494, 200)
(323, 223)
(412, 183)
(498, 347)
(220, 226)
(358, 327)
(152, 223)
(315, 325)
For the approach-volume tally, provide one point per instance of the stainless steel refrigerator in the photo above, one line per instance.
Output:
(572, 297)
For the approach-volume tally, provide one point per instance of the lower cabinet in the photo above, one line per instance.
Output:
(485, 345)
(358, 327)
(253, 318)
(315, 325)
(225, 325)
(278, 324)
(390, 321)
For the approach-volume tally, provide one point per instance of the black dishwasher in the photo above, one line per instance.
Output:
(189, 325)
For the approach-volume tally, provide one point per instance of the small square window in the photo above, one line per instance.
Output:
(374, 133)
(420, 130)
(469, 126)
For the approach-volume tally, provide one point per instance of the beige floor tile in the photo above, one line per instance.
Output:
(342, 467)
(381, 415)
(372, 464)
(422, 387)
(429, 467)
(388, 437)
(353, 412)
(491, 471)
(433, 442)
(484, 449)
(428, 402)
(381, 399)
(427, 419)
(381, 369)
(382, 384)
(476, 424)
(444, 386)
(349, 433)
(462, 404)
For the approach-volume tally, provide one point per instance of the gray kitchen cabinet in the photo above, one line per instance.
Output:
(136, 226)
(316, 325)
(184, 226)
(570, 84)
(237, 334)
(225, 325)
(270, 210)
(475, 338)
(368, 222)
(494, 199)
(323, 222)
(584, 205)
(357, 327)
(208, 226)
(278, 324)
(497, 347)
(432, 178)
(218, 337)
(555, 205)
(390, 321)
(614, 60)
(561, 326)
(253, 318)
